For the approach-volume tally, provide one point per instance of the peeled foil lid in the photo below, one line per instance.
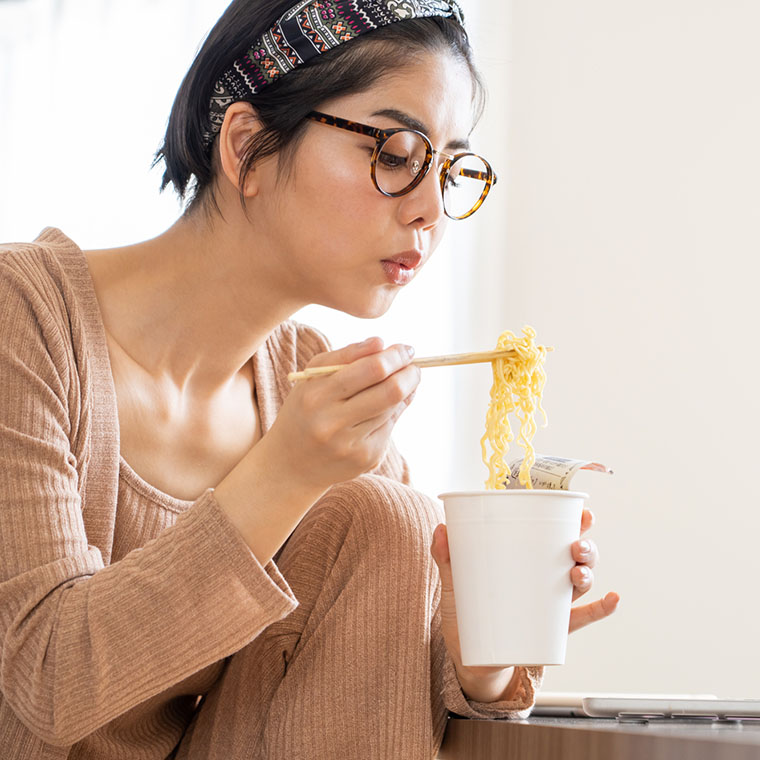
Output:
(552, 473)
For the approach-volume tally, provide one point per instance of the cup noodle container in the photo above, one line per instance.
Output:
(511, 562)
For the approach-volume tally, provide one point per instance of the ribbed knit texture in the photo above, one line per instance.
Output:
(119, 604)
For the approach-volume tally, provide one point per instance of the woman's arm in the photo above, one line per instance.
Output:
(81, 643)
(328, 430)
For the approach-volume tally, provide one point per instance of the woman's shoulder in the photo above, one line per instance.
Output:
(50, 241)
(39, 267)
(44, 297)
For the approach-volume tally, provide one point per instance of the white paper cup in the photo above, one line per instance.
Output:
(511, 562)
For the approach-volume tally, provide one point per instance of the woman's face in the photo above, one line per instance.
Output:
(333, 234)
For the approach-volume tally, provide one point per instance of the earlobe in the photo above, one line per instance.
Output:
(240, 125)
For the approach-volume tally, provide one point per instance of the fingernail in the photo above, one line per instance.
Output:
(585, 547)
(410, 351)
(586, 573)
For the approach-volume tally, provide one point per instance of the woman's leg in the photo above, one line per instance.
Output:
(348, 673)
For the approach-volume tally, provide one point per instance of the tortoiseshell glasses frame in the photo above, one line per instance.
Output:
(381, 136)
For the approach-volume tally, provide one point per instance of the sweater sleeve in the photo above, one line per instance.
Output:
(518, 708)
(81, 643)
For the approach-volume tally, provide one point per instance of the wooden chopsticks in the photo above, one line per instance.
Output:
(444, 360)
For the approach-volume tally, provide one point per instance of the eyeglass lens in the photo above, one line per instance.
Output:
(403, 156)
(464, 185)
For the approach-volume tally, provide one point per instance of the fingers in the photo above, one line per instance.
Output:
(586, 555)
(591, 613)
(385, 402)
(348, 354)
(340, 422)
(370, 372)
(364, 396)
(585, 552)
(381, 434)
(368, 369)
(587, 520)
(439, 549)
(583, 580)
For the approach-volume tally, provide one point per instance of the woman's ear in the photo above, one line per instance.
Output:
(240, 124)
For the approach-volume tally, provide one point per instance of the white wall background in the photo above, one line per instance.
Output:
(633, 233)
(625, 228)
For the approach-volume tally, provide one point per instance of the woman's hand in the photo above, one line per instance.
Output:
(586, 556)
(492, 684)
(329, 429)
(335, 427)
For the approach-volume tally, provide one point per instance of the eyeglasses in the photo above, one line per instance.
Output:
(402, 158)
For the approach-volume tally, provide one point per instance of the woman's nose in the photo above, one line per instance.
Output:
(423, 206)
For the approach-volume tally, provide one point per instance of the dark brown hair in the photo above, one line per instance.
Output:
(281, 107)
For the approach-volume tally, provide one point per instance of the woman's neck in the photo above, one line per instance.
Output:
(193, 304)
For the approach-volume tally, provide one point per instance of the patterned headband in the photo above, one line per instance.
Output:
(309, 28)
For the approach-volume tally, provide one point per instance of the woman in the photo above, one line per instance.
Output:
(199, 559)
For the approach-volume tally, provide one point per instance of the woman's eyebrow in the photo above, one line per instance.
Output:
(412, 123)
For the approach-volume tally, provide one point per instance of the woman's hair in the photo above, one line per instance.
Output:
(282, 106)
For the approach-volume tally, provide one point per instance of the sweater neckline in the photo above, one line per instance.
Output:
(98, 345)
(145, 489)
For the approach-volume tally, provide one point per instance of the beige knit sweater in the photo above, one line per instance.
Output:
(118, 602)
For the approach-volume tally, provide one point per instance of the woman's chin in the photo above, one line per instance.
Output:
(371, 309)
(375, 311)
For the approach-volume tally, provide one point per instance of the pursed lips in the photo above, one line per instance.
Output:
(400, 269)
(406, 259)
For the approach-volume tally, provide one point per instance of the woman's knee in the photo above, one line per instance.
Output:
(379, 510)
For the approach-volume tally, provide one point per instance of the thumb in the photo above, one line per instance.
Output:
(440, 551)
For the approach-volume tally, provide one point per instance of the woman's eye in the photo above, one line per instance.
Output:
(391, 161)
(388, 160)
